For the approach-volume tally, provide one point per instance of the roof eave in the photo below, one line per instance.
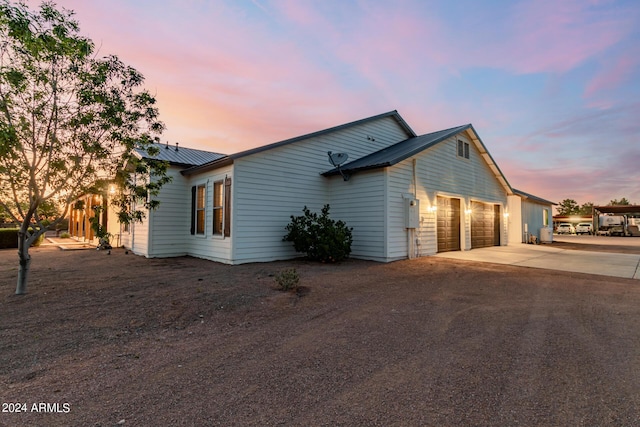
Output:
(215, 164)
(473, 135)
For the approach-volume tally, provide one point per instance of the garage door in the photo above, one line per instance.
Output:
(485, 225)
(448, 224)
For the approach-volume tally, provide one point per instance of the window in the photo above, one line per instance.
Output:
(200, 208)
(218, 211)
(463, 149)
(545, 217)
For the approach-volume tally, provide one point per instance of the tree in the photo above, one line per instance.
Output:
(586, 209)
(568, 207)
(616, 202)
(69, 120)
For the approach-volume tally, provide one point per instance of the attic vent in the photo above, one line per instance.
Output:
(167, 146)
(176, 146)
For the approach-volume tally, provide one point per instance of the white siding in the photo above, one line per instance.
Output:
(533, 217)
(516, 225)
(139, 235)
(272, 185)
(439, 171)
(170, 225)
(360, 202)
(209, 246)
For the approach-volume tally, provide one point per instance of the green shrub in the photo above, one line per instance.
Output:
(65, 235)
(287, 279)
(319, 237)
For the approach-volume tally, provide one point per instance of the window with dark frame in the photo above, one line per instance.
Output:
(463, 149)
(200, 208)
(218, 209)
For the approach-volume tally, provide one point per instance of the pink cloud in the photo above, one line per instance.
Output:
(614, 74)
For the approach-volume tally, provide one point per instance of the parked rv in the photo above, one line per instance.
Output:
(613, 225)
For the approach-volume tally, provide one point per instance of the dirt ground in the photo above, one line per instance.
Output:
(107, 340)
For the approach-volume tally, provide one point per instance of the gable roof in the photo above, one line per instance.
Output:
(532, 197)
(180, 156)
(226, 160)
(396, 153)
(400, 151)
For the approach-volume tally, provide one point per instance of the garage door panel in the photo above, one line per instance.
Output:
(485, 225)
(448, 224)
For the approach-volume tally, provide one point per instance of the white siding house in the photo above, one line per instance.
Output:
(404, 195)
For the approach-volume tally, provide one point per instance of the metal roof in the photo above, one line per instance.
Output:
(393, 154)
(223, 161)
(403, 150)
(532, 197)
(181, 156)
(619, 209)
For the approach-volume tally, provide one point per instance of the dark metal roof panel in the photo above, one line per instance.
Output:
(181, 156)
(619, 209)
(532, 197)
(398, 152)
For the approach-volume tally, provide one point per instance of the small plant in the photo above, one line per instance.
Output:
(65, 235)
(319, 237)
(287, 279)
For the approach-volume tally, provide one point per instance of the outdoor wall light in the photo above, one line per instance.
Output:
(432, 208)
(468, 211)
(506, 214)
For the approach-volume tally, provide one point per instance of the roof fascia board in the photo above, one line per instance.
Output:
(533, 198)
(223, 161)
(473, 135)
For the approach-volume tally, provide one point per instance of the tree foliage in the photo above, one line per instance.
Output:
(318, 236)
(568, 207)
(69, 121)
(623, 201)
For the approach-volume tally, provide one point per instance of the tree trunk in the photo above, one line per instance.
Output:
(25, 263)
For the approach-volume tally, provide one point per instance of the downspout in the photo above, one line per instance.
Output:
(413, 249)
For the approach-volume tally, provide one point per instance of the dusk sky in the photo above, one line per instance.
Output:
(551, 86)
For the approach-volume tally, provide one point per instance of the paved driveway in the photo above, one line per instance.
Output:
(548, 257)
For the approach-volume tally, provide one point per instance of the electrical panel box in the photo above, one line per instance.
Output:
(412, 213)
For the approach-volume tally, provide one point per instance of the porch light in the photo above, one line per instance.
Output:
(432, 208)
(112, 189)
(506, 214)
(468, 211)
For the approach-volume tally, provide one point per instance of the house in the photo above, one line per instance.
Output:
(404, 195)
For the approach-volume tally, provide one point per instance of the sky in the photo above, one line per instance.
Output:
(551, 86)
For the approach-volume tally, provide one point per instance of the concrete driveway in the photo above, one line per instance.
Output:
(548, 257)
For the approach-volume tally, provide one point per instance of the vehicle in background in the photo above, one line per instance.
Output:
(584, 228)
(612, 225)
(565, 228)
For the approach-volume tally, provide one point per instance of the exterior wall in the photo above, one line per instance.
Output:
(439, 172)
(533, 217)
(516, 227)
(138, 236)
(169, 224)
(272, 185)
(361, 203)
(208, 246)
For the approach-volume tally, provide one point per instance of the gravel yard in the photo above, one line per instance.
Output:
(106, 340)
